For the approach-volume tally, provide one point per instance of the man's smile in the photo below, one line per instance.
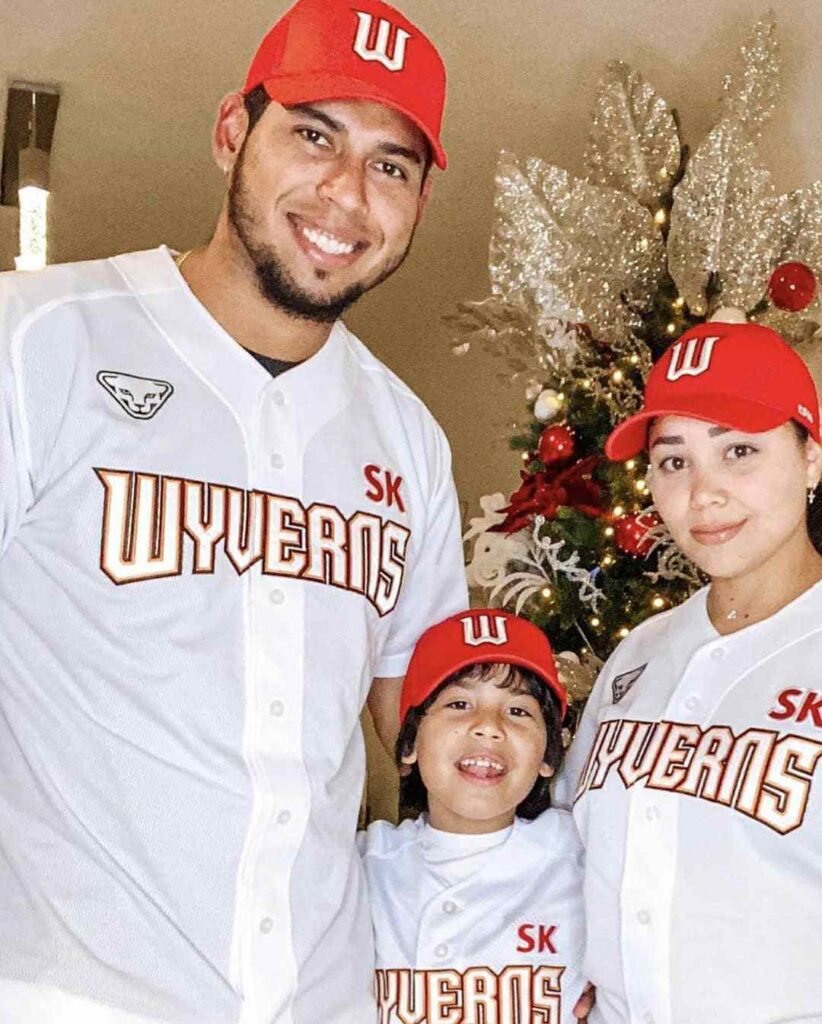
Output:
(327, 248)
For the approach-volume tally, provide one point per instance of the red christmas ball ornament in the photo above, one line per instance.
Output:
(792, 286)
(630, 531)
(556, 444)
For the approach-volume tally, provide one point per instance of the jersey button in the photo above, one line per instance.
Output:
(276, 708)
(277, 461)
(450, 907)
(283, 817)
(717, 654)
(643, 917)
(652, 812)
(692, 703)
(441, 950)
(278, 398)
(266, 925)
(276, 597)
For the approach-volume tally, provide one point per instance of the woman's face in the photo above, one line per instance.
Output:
(731, 500)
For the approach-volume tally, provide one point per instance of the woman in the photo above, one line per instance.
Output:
(696, 771)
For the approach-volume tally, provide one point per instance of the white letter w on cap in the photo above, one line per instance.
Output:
(483, 629)
(379, 47)
(691, 358)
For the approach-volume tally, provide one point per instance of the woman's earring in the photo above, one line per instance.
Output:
(812, 495)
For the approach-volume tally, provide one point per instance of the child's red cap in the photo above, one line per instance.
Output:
(478, 637)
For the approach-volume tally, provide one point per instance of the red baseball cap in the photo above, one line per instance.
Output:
(479, 637)
(743, 376)
(353, 50)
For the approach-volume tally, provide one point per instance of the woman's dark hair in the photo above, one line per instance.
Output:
(413, 795)
(815, 506)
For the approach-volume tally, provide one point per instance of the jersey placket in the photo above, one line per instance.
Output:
(651, 867)
(438, 940)
(273, 737)
(646, 901)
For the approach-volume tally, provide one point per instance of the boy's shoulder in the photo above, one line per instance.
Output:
(554, 833)
(384, 839)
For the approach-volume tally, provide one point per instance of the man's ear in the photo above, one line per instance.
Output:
(230, 131)
(546, 771)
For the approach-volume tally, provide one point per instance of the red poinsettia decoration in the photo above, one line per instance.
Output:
(544, 492)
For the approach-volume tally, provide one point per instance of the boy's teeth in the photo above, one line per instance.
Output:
(482, 762)
(332, 246)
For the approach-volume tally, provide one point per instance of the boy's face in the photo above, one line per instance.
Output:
(479, 750)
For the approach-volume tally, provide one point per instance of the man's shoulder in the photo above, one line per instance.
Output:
(384, 380)
(27, 296)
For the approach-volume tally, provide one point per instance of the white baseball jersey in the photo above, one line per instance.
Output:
(698, 787)
(473, 929)
(203, 567)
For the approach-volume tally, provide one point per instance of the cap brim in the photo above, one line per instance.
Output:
(313, 88)
(498, 658)
(631, 437)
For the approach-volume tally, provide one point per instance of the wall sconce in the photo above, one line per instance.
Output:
(30, 119)
(33, 196)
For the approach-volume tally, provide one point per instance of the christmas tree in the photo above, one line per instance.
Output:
(591, 280)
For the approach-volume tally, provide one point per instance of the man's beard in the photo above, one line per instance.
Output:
(273, 279)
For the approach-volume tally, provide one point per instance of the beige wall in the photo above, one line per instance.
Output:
(140, 82)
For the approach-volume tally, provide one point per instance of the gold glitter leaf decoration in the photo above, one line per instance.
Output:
(750, 96)
(634, 143)
(560, 240)
(802, 223)
(726, 220)
(801, 217)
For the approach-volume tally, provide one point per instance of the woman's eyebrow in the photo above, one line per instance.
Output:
(676, 439)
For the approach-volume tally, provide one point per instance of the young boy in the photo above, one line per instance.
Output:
(477, 904)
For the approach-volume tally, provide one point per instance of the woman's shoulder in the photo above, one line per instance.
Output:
(655, 631)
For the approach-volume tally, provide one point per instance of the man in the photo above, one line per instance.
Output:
(221, 518)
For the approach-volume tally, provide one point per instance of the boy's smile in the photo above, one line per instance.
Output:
(479, 749)
(482, 768)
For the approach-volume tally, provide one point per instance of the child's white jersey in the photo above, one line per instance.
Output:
(696, 773)
(468, 935)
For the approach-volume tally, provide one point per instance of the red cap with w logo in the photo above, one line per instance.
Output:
(478, 637)
(742, 376)
(353, 50)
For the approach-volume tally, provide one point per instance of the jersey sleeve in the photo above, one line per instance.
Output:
(435, 583)
(15, 478)
(567, 780)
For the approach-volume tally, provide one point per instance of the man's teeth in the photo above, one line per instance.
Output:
(482, 762)
(328, 244)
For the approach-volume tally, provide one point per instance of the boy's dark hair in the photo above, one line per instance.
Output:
(256, 102)
(413, 795)
(815, 507)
